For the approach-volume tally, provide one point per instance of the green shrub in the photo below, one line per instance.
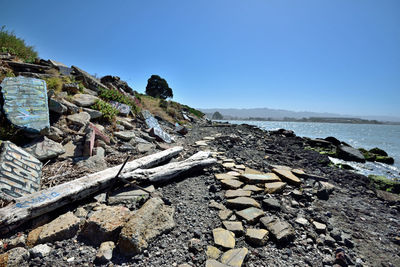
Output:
(109, 112)
(16, 46)
(163, 104)
(114, 95)
(195, 112)
(54, 83)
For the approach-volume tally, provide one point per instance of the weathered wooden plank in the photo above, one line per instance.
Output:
(168, 171)
(44, 201)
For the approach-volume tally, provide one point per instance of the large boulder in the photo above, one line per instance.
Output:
(115, 82)
(349, 153)
(45, 148)
(151, 220)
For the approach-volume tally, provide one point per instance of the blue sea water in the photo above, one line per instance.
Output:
(386, 137)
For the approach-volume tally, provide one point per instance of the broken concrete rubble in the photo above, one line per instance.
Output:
(151, 220)
(20, 172)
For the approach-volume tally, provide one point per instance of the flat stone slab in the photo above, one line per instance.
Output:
(231, 183)
(224, 238)
(213, 252)
(125, 135)
(214, 263)
(224, 176)
(251, 215)
(20, 172)
(233, 226)
(258, 237)
(233, 173)
(271, 204)
(287, 176)
(216, 205)
(234, 257)
(225, 214)
(271, 188)
(252, 171)
(129, 195)
(260, 178)
(81, 119)
(240, 167)
(200, 143)
(243, 202)
(25, 103)
(84, 100)
(228, 165)
(252, 188)
(280, 229)
(302, 221)
(45, 148)
(237, 193)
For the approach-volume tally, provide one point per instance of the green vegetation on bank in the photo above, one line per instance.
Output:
(9, 43)
(382, 183)
(114, 95)
(109, 112)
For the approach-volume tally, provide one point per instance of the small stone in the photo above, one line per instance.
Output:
(40, 251)
(251, 215)
(201, 143)
(234, 257)
(242, 202)
(44, 148)
(213, 252)
(237, 193)
(33, 236)
(94, 114)
(253, 188)
(233, 226)
(233, 173)
(81, 212)
(105, 252)
(216, 205)
(56, 106)
(18, 241)
(224, 238)
(329, 241)
(302, 221)
(240, 166)
(231, 183)
(16, 257)
(258, 237)
(224, 214)
(276, 187)
(144, 148)
(319, 227)
(195, 245)
(228, 165)
(271, 204)
(280, 229)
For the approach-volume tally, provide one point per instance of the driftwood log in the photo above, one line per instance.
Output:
(166, 172)
(41, 202)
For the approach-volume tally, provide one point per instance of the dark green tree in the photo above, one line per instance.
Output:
(158, 87)
(217, 116)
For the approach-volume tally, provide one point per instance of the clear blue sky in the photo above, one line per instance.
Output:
(339, 56)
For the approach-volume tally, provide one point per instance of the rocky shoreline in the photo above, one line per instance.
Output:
(315, 218)
(192, 192)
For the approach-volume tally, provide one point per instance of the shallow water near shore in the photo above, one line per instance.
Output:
(386, 137)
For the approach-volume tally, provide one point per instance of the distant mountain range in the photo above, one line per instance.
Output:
(279, 114)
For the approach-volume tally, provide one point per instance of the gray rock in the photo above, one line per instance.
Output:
(55, 134)
(349, 153)
(280, 229)
(72, 108)
(88, 80)
(145, 148)
(125, 135)
(44, 148)
(17, 257)
(57, 107)
(95, 163)
(84, 100)
(271, 204)
(18, 241)
(319, 227)
(151, 220)
(81, 119)
(94, 114)
(105, 252)
(40, 251)
(129, 195)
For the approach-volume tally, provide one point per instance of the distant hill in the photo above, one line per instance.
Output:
(234, 113)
